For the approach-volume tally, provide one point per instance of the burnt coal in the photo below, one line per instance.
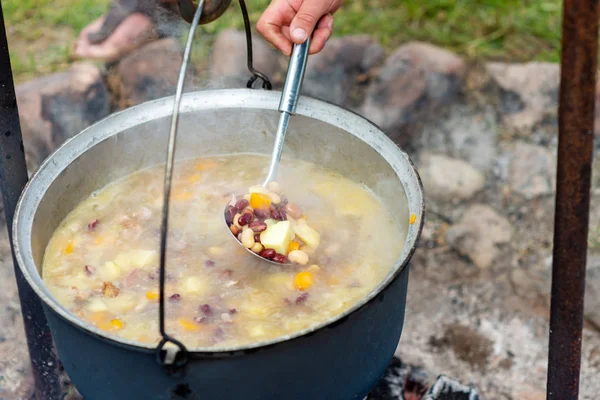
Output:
(446, 388)
(406, 382)
(400, 382)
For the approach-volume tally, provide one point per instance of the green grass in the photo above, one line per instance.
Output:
(515, 30)
(40, 32)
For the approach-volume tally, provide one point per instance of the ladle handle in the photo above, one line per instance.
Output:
(294, 78)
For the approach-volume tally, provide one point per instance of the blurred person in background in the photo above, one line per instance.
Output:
(129, 24)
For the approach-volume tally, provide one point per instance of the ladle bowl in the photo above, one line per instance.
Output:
(341, 358)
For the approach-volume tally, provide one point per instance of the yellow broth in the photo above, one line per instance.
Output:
(102, 261)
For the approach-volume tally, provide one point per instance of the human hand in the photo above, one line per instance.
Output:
(286, 22)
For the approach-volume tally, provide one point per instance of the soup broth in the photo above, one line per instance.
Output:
(102, 261)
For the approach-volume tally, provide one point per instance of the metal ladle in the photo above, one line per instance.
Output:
(287, 108)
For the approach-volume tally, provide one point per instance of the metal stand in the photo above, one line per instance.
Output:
(13, 176)
(575, 154)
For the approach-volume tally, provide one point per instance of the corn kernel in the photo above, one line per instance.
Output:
(69, 248)
(116, 324)
(259, 200)
(152, 295)
(413, 219)
(303, 280)
(293, 246)
(188, 325)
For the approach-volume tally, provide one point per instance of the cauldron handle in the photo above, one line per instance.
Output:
(178, 363)
(255, 74)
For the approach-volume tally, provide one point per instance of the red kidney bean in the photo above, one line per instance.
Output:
(302, 298)
(206, 309)
(280, 258)
(89, 270)
(257, 226)
(246, 218)
(267, 253)
(92, 225)
(232, 311)
(175, 298)
(234, 229)
(241, 204)
(257, 238)
(279, 215)
(293, 210)
(230, 212)
(261, 213)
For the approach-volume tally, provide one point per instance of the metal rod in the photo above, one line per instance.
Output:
(13, 177)
(575, 154)
(171, 147)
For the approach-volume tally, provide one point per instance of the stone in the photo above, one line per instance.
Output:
(331, 73)
(537, 86)
(531, 170)
(229, 60)
(479, 235)
(414, 79)
(462, 131)
(147, 74)
(449, 179)
(58, 106)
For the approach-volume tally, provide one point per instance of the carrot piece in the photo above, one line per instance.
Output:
(259, 200)
(293, 246)
(303, 280)
(116, 324)
(187, 325)
(152, 295)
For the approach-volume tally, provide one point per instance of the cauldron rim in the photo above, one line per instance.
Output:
(266, 100)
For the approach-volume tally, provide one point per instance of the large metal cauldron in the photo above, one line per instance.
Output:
(341, 359)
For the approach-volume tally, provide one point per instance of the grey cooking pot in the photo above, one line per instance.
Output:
(340, 359)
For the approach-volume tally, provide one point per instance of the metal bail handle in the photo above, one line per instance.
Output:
(178, 361)
(255, 74)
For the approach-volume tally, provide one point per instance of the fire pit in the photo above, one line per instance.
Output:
(578, 81)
